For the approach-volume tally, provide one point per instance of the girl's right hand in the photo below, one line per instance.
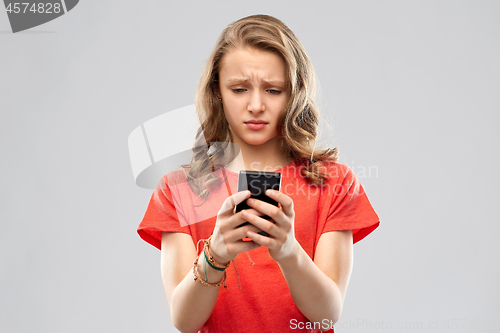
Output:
(226, 242)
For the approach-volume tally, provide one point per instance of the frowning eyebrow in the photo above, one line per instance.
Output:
(244, 79)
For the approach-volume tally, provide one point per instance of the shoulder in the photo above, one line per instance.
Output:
(173, 178)
(337, 172)
(336, 167)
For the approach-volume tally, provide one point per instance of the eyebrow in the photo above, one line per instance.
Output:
(244, 79)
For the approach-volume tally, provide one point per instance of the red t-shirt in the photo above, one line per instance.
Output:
(264, 302)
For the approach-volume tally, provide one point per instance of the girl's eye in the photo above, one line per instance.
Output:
(239, 90)
(274, 92)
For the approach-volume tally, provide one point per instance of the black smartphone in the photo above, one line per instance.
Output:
(257, 182)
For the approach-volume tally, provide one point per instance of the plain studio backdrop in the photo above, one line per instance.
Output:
(410, 89)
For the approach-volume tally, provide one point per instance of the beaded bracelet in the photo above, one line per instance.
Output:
(211, 261)
(206, 283)
(210, 264)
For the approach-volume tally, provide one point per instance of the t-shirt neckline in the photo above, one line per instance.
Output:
(277, 170)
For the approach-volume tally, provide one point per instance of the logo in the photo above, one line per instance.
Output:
(28, 14)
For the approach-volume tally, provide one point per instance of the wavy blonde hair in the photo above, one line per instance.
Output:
(298, 124)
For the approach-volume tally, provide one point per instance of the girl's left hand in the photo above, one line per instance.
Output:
(281, 241)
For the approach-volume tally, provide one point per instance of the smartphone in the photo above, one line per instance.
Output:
(257, 182)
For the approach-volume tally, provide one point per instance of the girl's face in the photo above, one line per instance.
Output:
(252, 85)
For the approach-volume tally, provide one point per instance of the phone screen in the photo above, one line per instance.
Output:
(257, 182)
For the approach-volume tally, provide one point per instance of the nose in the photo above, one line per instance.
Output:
(256, 102)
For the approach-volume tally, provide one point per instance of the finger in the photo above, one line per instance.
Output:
(268, 209)
(238, 233)
(261, 224)
(236, 220)
(261, 240)
(285, 201)
(254, 212)
(243, 246)
(231, 202)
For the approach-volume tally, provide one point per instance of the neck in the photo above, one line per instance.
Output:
(264, 157)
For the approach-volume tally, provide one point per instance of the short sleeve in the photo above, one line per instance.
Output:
(350, 208)
(161, 216)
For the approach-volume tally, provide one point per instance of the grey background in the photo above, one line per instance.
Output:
(410, 87)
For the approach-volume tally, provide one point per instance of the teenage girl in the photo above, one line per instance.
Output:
(256, 93)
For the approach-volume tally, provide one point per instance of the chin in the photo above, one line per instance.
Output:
(257, 142)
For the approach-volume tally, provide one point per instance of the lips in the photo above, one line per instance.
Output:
(256, 125)
(255, 122)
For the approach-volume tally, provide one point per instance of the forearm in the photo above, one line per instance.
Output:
(315, 294)
(192, 302)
